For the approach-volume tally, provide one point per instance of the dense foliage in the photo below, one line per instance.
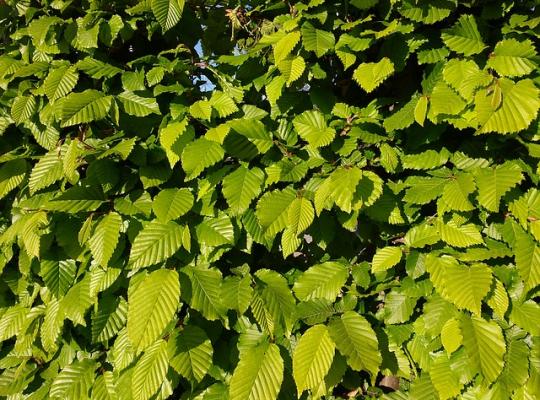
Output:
(269, 199)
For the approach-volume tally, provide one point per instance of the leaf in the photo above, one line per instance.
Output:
(464, 37)
(151, 306)
(60, 82)
(167, 12)
(258, 375)
(292, 69)
(317, 40)
(494, 182)
(523, 96)
(312, 358)
(356, 340)
(464, 286)
(300, 215)
(171, 204)
(236, 293)
(90, 105)
(485, 347)
(323, 281)
(385, 259)
(137, 105)
(109, 319)
(150, 371)
(370, 75)
(155, 243)
(312, 127)
(272, 210)
(105, 238)
(216, 231)
(191, 353)
(58, 275)
(241, 187)
(74, 381)
(12, 174)
(513, 58)
(456, 193)
(206, 291)
(398, 307)
(444, 379)
(200, 154)
(23, 108)
(459, 236)
(47, 171)
(465, 77)
(285, 46)
(174, 138)
(451, 336)
(420, 111)
(527, 256)
(276, 299)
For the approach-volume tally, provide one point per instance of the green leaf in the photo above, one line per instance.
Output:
(23, 108)
(236, 293)
(216, 231)
(523, 96)
(300, 215)
(137, 105)
(47, 171)
(465, 77)
(464, 37)
(513, 58)
(205, 293)
(385, 259)
(370, 75)
(258, 375)
(167, 12)
(323, 281)
(74, 381)
(494, 182)
(171, 204)
(105, 238)
(285, 46)
(464, 286)
(191, 353)
(527, 255)
(241, 187)
(150, 371)
(58, 275)
(155, 243)
(272, 210)
(444, 379)
(174, 137)
(312, 358)
(90, 105)
(427, 12)
(459, 236)
(151, 306)
(109, 319)
(292, 69)
(451, 336)
(312, 127)
(356, 340)
(276, 299)
(200, 154)
(420, 111)
(484, 343)
(317, 40)
(398, 307)
(12, 174)
(60, 82)
(456, 193)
